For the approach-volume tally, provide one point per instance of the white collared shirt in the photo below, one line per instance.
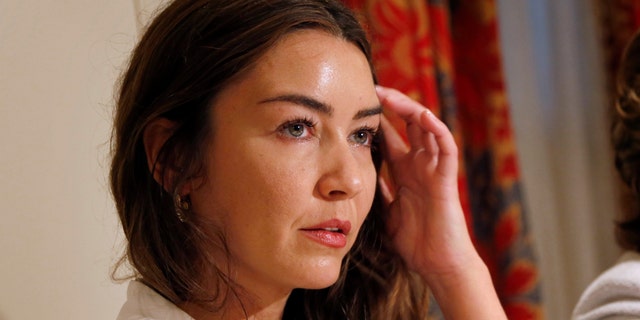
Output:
(615, 294)
(143, 303)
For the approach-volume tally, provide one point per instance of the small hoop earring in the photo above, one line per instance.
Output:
(182, 206)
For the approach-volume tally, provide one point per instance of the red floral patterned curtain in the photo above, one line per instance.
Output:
(446, 55)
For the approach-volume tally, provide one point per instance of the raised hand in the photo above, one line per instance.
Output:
(425, 221)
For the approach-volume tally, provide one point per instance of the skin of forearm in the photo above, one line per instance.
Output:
(467, 294)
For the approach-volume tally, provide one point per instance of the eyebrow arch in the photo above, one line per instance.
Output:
(368, 112)
(314, 104)
(302, 101)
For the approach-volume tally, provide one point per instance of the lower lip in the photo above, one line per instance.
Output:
(327, 238)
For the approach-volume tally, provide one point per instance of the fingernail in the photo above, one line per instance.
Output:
(429, 114)
(426, 114)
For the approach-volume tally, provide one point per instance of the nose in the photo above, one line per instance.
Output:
(342, 174)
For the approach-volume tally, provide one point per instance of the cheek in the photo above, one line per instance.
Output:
(257, 179)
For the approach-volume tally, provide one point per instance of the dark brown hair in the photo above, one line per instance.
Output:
(625, 134)
(188, 54)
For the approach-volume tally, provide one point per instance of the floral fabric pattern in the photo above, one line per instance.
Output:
(446, 55)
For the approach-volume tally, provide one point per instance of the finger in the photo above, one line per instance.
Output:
(385, 190)
(394, 145)
(443, 140)
(412, 113)
(430, 144)
(416, 135)
(443, 137)
(396, 102)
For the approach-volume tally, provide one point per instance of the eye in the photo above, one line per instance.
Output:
(298, 128)
(364, 136)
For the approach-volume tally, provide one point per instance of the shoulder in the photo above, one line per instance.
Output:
(143, 303)
(615, 293)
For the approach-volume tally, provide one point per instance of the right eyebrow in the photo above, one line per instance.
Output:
(302, 100)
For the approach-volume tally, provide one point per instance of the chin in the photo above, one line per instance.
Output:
(321, 284)
(324, 274)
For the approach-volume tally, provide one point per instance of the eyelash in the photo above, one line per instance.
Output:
(373, 135)
(308, 124)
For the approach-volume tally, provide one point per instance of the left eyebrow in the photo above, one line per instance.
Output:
(314, 104)
(368, 112)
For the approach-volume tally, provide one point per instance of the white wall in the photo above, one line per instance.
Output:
(58, 63)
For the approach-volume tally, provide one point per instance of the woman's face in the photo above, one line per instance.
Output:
(289, 173)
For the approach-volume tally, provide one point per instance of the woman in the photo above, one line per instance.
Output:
(616, 292)
(245, 172)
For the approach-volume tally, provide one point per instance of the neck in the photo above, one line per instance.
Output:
(239, 307)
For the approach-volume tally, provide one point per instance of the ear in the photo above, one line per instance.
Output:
(154, 137)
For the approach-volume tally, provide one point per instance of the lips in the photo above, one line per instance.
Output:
(332, 233)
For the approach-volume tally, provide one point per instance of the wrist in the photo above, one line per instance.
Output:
(466, 269)
(466, 292)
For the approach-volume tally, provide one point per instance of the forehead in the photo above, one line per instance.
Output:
(312, 60)
(312, 46)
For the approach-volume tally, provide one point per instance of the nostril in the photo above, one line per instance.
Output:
(337, 193)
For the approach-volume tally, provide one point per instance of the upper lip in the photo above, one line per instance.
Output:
(334, 225)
